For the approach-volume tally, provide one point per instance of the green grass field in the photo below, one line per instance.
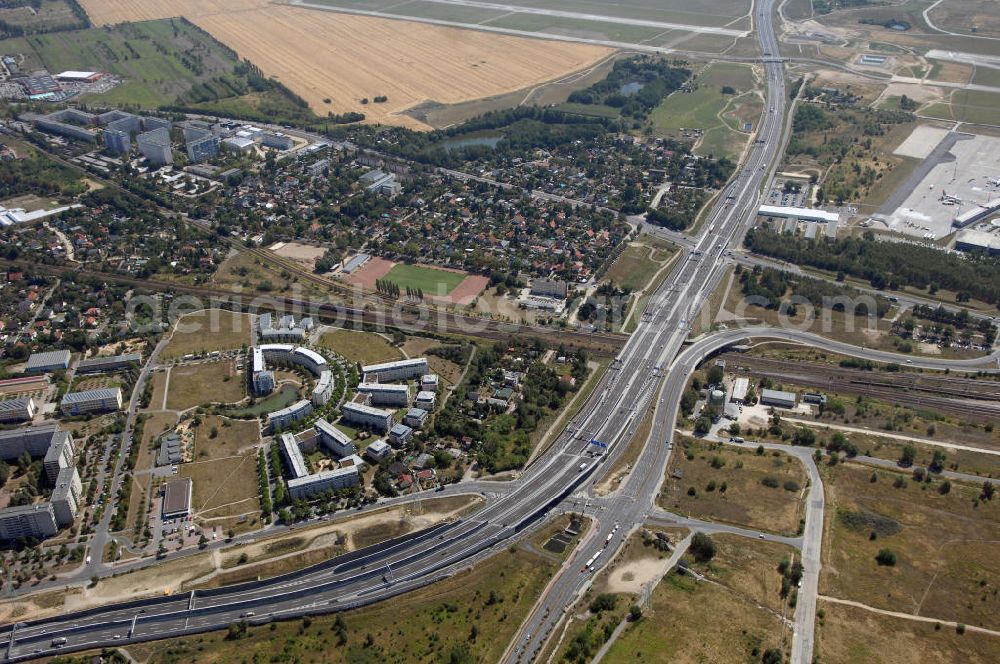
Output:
(159, 60)
(700, 109)
(49, 15)
(431, 280)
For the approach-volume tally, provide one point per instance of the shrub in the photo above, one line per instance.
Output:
(702, 547)
(886, 557)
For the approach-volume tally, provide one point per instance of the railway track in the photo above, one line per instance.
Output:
(965, 398)
(433, 321)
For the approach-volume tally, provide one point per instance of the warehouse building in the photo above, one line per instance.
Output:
(740, 388)
(91, 401)
(17, 410)
(327, 480)
(280, 419)
(778, 398)
(398, 370)
(367, 417)
(36, 521)
(972, 240)
(112, 363)
(237, 144)
(803, 214)
(333, 439)
(53, 360)
(386, 394)
(176, 498)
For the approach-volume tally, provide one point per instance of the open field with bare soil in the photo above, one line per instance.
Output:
(334, 61)
(944, 537)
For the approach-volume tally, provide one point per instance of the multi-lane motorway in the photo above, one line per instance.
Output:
(634, 381)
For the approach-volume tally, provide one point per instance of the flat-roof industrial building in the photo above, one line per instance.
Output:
(740, 388)
(804, 214)
(177, 498)
(778, 398)
(53, 360)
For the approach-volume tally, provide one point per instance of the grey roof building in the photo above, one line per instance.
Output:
(113, 363)
(52, 360)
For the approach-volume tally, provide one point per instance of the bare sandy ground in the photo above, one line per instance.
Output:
(171, 577)
(467, 291)
(632, 576)
(373, 270)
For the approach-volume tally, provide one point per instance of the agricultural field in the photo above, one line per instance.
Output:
(206, 331)
(362, 347)
(196, 384)
(336, 61)
(159, 61)
(735, 485)
(450, 621)
(943, 538)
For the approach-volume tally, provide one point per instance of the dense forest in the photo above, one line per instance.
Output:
(772, 287)
(889, 265)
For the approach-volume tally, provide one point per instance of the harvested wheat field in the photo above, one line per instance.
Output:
(343, 58)
(104, 12)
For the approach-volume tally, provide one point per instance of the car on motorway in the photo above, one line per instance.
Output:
(58, 641)
(247, 614)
